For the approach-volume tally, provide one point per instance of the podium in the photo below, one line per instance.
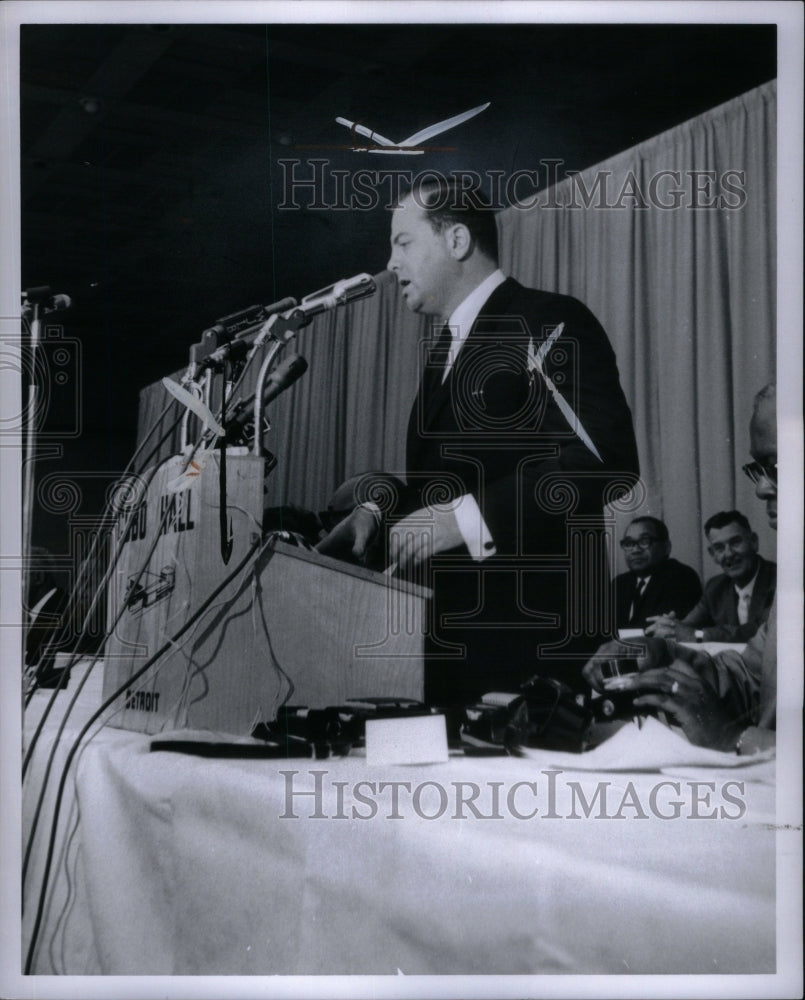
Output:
(293, 627)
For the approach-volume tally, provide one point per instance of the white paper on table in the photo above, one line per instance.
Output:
(652, 748)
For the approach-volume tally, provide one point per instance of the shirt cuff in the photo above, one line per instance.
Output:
(472, 526)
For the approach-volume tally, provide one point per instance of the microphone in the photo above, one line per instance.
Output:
(236, 323)
(285, 326)
(37, 294)
(240, 423)
(283, 376)
(337, 294)
(41, 295)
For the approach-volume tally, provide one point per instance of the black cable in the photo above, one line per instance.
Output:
(73, 601)
(110, 629)
(40, 727)
(226, 541)
(72, 662)
(130, 469)
(90, 722)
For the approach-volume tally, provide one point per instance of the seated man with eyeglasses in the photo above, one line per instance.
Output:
(728, 701)
(736, 602)
(656, 584)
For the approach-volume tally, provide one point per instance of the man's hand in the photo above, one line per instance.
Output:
(423, 534)
(351, 538)
(681, 692)
(668, 627)
(650, 653)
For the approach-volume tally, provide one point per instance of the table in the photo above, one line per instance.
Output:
(174, 864)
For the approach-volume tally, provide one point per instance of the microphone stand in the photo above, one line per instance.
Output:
(30, 456)
(37, 302)
(241, 334)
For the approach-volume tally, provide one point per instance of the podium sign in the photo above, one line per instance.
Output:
(293, 627)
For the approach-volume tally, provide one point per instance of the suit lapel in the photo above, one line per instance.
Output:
(760, 595)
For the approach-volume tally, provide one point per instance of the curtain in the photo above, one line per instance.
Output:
(686, 295)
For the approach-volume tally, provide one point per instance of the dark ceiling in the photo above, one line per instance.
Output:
(152, 187)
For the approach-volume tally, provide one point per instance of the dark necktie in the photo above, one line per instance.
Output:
(430, 382)
(437, 359)
(640, 586)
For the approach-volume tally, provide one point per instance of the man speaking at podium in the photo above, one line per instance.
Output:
(518, 435)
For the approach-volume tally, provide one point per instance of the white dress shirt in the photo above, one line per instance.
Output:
(466, 313)
(472, 526)
(744, 599)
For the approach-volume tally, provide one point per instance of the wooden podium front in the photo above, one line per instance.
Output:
(292, 628)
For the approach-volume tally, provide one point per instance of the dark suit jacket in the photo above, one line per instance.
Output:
(716, 614)
(673, 587)
(494, 430)
(747, 681)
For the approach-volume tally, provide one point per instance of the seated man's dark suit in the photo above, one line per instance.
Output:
(673, 586)
(716, 614)
(541, 603)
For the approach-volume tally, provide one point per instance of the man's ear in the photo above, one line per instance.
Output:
(459, 241)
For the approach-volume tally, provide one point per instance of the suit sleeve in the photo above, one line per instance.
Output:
(689, 592)
(681, 591)
(739, 677)
(734, 633)
(701, 616)
(706, 614)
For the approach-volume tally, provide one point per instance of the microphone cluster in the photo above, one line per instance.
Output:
(284, 326)
(43, 297)
(232, 337)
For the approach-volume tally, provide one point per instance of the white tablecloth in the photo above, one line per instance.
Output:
(168, 863)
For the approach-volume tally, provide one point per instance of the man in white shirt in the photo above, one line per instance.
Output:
(518, 434)
(736, 602)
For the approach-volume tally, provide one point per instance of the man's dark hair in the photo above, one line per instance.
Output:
(659, 526)
(725, 517)
(446, 202)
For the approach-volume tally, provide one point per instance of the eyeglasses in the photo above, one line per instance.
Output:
(760, 470)
(643, 542)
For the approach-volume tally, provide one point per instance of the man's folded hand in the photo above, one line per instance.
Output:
(350, 540)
